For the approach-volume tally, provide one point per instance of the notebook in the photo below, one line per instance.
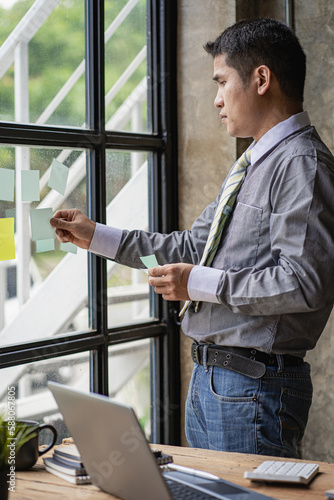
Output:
(117, 456)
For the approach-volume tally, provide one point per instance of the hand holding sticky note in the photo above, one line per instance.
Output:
(149, 261)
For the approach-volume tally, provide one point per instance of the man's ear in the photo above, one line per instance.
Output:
(263, 77)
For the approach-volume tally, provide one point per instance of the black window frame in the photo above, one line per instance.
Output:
(162, 144)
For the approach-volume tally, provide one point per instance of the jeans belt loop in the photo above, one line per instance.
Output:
(195, 348)
(280, 363)
(205, 358)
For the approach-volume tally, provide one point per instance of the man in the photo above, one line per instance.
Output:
(260, 281)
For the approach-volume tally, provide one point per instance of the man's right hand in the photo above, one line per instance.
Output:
(74, 227)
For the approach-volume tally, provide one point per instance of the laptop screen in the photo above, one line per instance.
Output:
(118, 458)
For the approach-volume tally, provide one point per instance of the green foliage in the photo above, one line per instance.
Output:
(22, 434)
(58, 48)
(55, 52)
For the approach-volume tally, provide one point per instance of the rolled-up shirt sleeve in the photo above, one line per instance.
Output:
(105, 241)
(203, 283)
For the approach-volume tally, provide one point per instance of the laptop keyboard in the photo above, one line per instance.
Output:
(184, 492)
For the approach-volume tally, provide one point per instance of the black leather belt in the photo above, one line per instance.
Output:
(249, 362)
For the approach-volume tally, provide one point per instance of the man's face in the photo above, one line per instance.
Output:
(239, 106)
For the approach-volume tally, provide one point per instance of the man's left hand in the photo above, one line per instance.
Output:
(171, 280)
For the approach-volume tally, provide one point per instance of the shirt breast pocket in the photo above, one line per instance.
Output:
(241, 242)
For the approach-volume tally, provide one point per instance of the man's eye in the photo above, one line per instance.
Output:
(220, 83)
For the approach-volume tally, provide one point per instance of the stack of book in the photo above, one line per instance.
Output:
(66, 463)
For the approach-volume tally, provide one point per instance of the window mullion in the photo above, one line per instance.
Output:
(95, 119)
(169, 211)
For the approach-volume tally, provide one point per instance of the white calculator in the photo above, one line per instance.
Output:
(287, 472)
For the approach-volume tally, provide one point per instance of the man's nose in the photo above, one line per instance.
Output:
(219, 101)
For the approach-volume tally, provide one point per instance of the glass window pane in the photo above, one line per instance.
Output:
(33, 400)
(43, 287)
(42, 67)
(127, 208)
(129, 379)
(126, 66)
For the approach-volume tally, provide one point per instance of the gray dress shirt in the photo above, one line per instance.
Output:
(275, 262)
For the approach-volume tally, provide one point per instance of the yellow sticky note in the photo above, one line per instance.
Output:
(7, 241)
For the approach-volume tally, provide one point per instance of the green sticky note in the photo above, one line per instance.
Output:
(7, 240)
(40, 224)
(30, 185)
(11, 212)
(45, 245)
(58, 177)
(68, 247)
(7, 179)
(149, 261)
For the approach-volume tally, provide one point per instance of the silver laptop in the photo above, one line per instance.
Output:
(117, 456)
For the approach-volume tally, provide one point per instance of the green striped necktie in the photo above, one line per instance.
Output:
(223, 212)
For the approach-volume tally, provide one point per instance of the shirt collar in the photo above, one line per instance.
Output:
(277, 134)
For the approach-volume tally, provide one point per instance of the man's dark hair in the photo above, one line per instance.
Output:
(250, 43)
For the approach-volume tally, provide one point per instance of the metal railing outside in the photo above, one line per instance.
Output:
(30, 289)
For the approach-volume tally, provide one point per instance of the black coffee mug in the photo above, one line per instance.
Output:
(27, 455)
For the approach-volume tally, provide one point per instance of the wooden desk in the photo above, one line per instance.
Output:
(37, 484)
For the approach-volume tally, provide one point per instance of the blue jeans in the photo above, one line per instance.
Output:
(227, 411)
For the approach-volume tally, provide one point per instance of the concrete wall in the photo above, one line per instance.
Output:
(206, 152)
(314, 22)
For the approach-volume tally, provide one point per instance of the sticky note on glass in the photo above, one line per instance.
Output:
(68, 247)
(149, 261)
(7, 240)
(7, 179)
(40, 224)
(45, 245)
(11, 212)
(30, 185)
(58, 176)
